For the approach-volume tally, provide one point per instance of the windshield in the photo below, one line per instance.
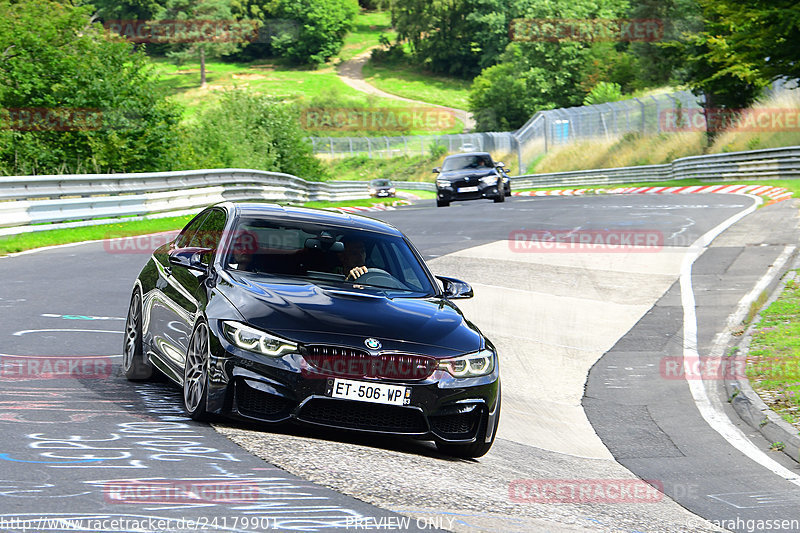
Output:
(462, 162)
(381, 183)
(328, 255)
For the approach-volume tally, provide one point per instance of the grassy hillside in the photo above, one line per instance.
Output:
(311, 87)
(405, 81)
(369, 25)
(404, 168)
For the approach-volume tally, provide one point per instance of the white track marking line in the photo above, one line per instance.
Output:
(26, 331)
(713, 414)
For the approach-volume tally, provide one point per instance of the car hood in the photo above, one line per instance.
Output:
(470, 172)
(314, 314)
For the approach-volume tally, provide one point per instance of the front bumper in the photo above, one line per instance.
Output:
(456, 192)
(248, 386)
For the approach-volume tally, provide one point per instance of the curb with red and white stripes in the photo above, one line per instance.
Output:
(367, 209)
(776, 194)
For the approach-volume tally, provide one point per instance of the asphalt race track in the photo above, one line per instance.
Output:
(582, 339)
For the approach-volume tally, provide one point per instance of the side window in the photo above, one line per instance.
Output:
(210, 231)
(189, 231)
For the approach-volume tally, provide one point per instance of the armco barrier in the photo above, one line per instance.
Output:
(773, 163)
(31, 203)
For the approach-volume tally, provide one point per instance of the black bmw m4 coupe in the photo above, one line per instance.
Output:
(279, 314)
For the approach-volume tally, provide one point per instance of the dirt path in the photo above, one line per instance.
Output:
(351, 72)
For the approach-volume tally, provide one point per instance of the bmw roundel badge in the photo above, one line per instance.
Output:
(373, 344)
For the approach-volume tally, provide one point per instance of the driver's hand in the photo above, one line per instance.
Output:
(356, 272)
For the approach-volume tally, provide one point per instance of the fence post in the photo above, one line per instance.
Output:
(641, 105)
(369, 147)
(658, 114)
(330, 143)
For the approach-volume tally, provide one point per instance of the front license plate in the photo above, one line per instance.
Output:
(468, 189)
(369, 392)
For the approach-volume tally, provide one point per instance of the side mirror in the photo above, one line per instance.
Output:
(455, 289)
(499, 164)
(437, 170)
(191, 258)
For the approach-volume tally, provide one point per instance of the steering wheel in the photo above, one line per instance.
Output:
(379, 278)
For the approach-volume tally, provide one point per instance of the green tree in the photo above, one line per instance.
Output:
(456, 37)
(198, 42)
(499, 99)
(55, 60)
(544, 73)
(726, 88)
(126, 9)
(301, 31)
(658, 62)
(753, 40)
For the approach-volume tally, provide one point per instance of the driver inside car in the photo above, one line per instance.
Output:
(353, 259)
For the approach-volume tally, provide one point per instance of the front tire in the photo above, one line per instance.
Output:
(195, 374)
(442, 203)
(134, 364)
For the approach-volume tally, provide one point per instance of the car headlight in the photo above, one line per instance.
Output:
(469, 366)
(442, 183)
(371, 190)
(257, 341)
(489, 180)
(391, 189)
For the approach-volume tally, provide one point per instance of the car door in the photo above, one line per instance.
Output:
(157, 305)
(184, 293)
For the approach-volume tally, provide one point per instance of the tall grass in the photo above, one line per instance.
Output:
(634, 149)
(742, 138)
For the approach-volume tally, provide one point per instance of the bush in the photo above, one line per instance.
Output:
(437, 150)
(389, 54)
(250, 130)
(604, 92)
(321, 28)
(54, 60)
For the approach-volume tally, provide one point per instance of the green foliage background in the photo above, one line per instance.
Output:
(53, 57)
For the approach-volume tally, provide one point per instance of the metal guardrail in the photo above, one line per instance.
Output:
(32, 203)
(772, 163)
